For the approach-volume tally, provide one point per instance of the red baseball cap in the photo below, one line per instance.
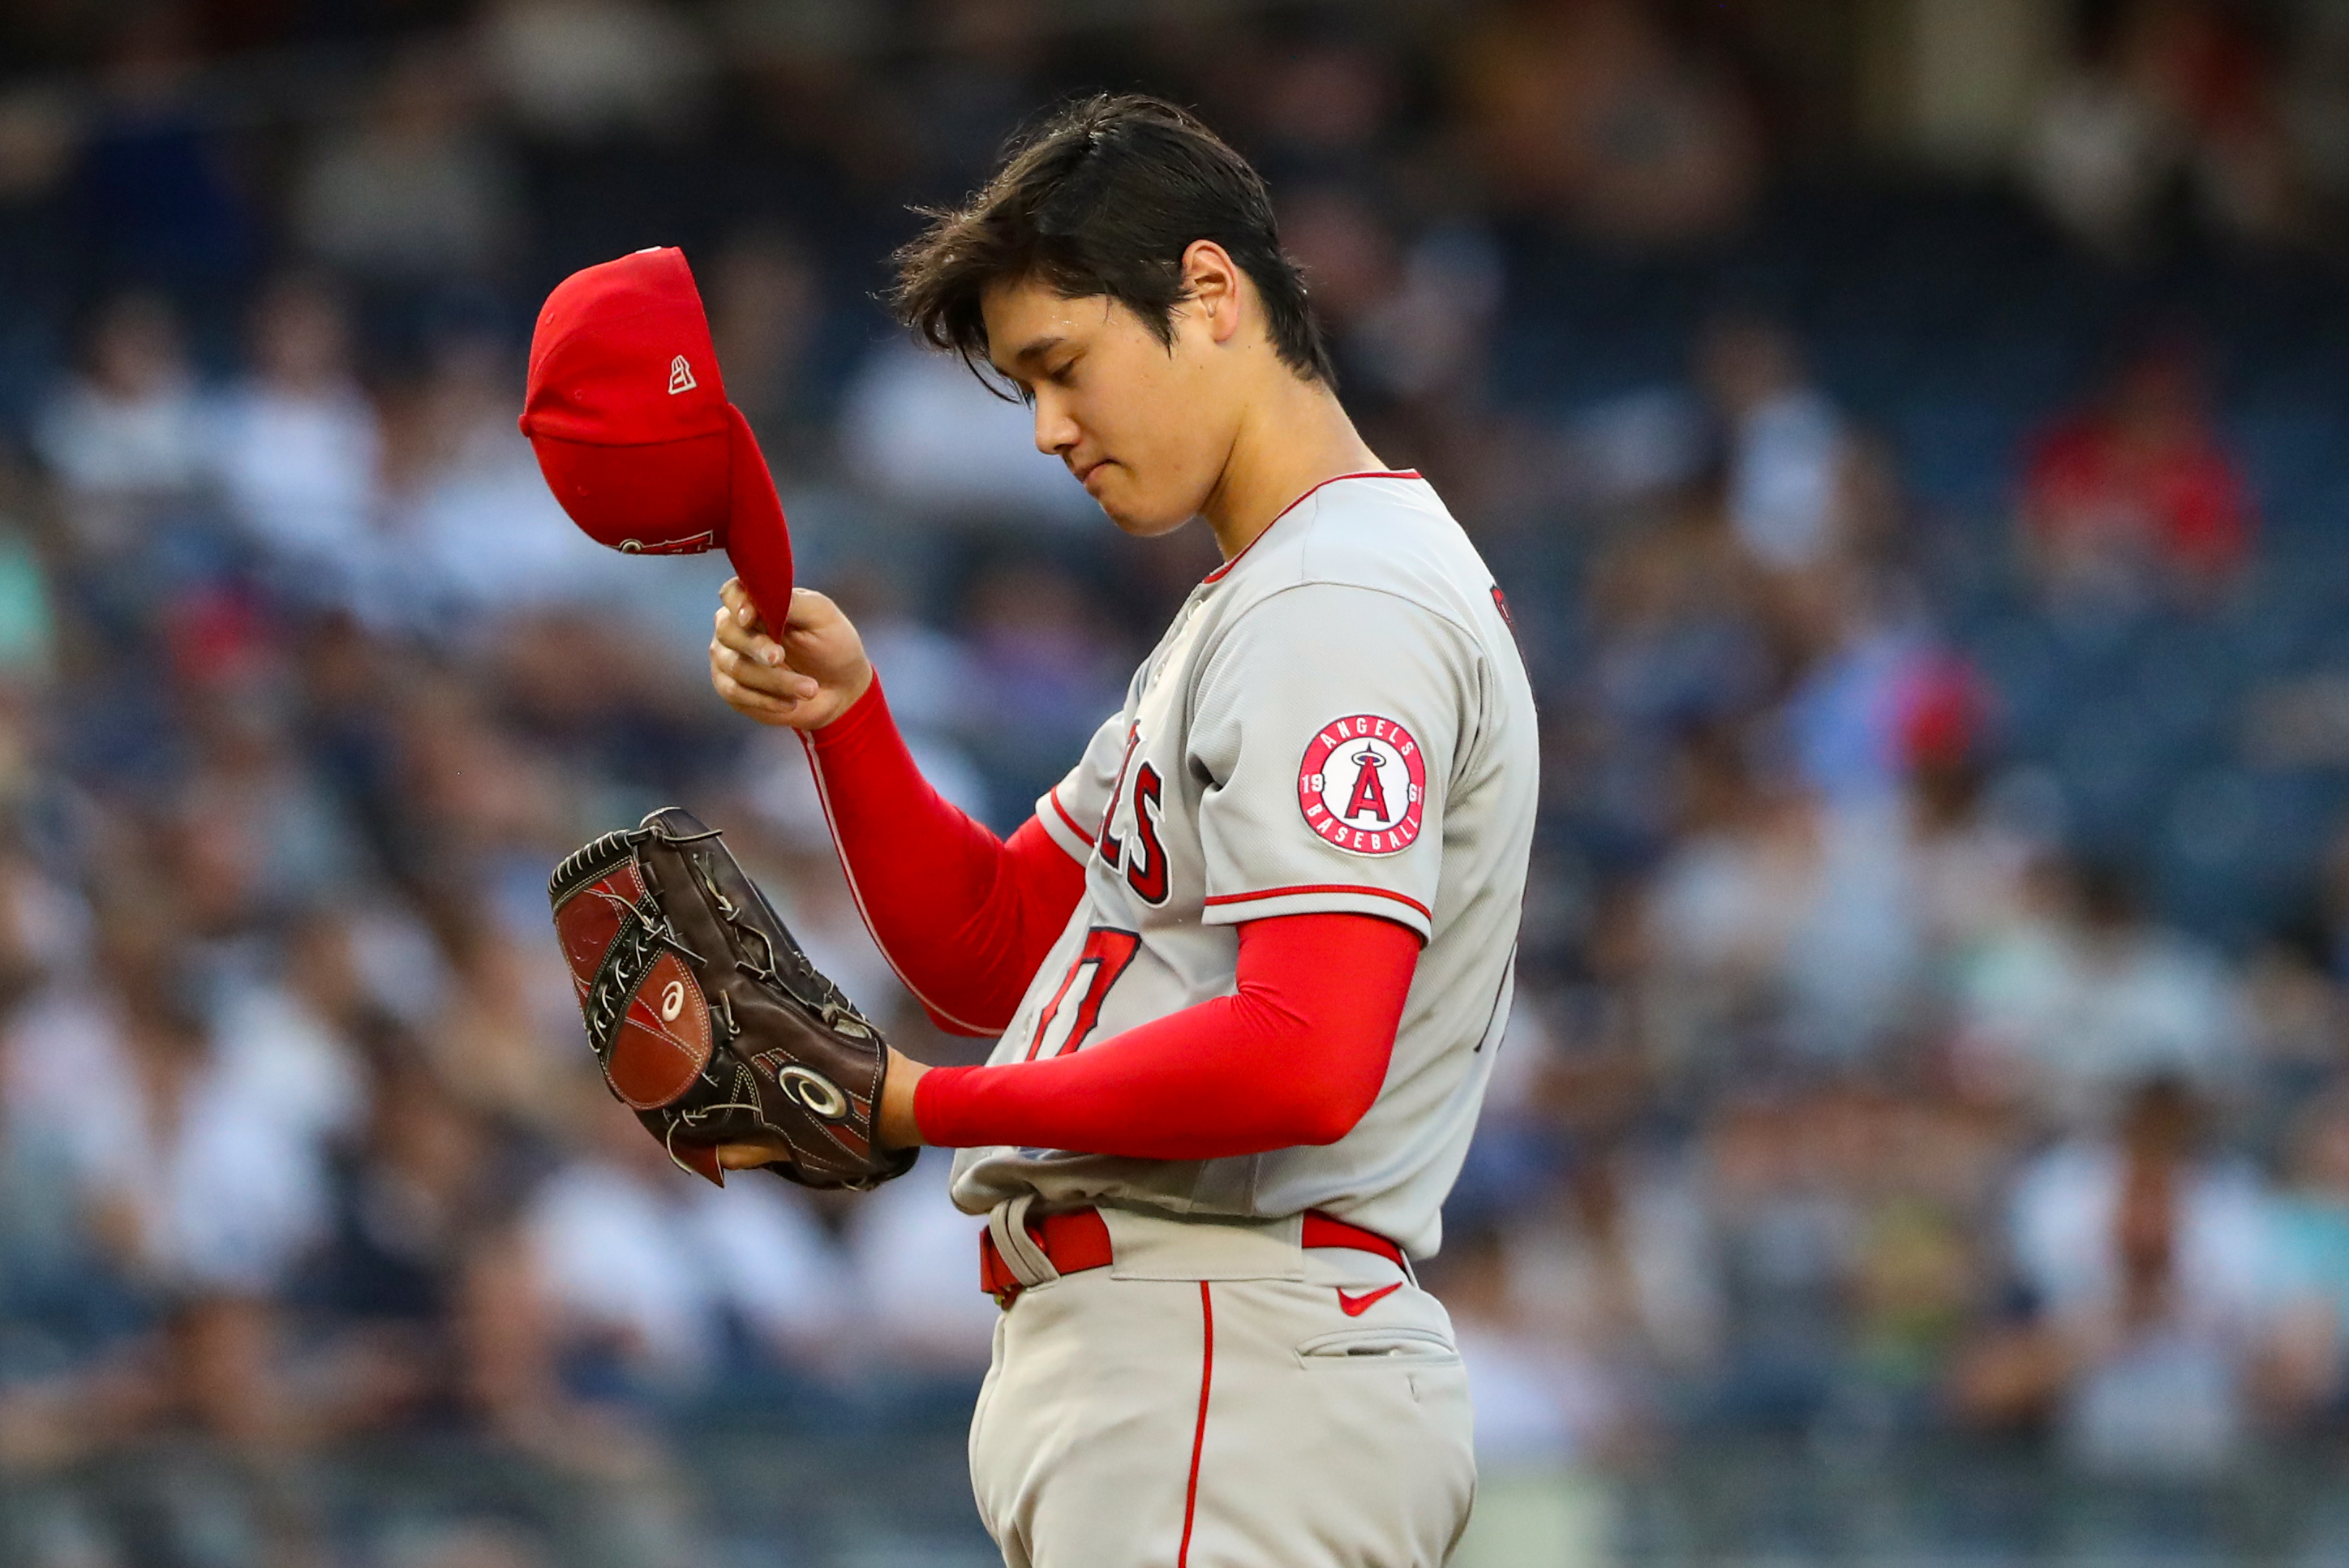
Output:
(633, 430)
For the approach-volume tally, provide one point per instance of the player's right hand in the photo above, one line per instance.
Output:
(802, 680)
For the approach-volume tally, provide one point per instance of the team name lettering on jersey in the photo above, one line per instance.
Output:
(1362, 784)
(1142, 857)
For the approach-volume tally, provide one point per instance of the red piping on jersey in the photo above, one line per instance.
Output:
(1055, 797)
(1317, 887)
(1333, 479)
(1199, 1434)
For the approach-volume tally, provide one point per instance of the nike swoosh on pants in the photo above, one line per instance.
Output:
(1355, 1306)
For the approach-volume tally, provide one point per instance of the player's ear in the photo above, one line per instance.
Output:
(1211, 282)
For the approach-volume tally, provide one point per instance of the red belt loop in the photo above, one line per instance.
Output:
(1078, 1240)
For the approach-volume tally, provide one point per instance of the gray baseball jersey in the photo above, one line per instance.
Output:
(1338, 721)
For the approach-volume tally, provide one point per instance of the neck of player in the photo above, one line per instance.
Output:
(1293, 434)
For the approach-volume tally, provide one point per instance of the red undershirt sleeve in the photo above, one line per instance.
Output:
(1295, 1056)
(963, 916)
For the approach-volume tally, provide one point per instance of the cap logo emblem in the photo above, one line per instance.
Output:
(680, 377)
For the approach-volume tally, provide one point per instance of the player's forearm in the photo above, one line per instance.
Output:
(1296, 1057)
(963, 916)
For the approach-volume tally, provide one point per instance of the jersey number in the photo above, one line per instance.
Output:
(1103, 958)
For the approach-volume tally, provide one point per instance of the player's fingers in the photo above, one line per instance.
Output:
(786, 686)
(739, 607)
(754, 648)
(752, 706)
(736, 676)
(749, 1156)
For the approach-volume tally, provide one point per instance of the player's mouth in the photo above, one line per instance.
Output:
(1085, 473)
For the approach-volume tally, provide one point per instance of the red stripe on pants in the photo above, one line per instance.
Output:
(1199, 1438)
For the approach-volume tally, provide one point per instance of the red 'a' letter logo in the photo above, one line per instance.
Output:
(1368, 795)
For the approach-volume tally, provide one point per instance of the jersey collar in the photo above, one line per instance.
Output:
(1218, 575)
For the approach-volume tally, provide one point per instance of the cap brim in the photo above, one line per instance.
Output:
(757, 540)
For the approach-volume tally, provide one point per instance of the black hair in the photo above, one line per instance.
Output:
(1103, 197)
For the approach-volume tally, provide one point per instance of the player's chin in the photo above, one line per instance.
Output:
(1143, 517)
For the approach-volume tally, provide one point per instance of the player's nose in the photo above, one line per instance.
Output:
(1056, 432)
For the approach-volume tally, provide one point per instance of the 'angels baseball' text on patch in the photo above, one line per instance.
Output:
(1363, 785)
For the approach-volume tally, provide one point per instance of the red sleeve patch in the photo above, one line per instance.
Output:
(1363, 785)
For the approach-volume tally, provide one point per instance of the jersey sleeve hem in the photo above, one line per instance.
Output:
(1062, 828)
(1318, 899)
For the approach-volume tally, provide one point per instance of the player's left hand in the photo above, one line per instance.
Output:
(892, 1126)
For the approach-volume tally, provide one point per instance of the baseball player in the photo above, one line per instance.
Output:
(1250, 959)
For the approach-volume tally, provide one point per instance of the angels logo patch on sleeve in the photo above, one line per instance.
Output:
(1363, 785)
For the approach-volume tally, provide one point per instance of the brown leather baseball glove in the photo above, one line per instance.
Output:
(706, 1019)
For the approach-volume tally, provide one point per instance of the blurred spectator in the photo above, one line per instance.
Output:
(581, 69)
(1045, 675)
(2146, 1259)
(1587, 109)
(1325, 103)
(1857, 654)
(2101, 152)
(1613, 1264)
(476, 530)
(2134, 498)
(647, 1267)
(1678, 648)
(1425, 341)
(2311, 1226)
(1787, 451)
(1829, 925)
(2314, 106)
(926, 1328)
(1780, 922)
(2085, 995)
(1406, 317)
(157, 205)
(1786, 1237)
(492, 1042)
(126, 432)
(28, 615)
(767, 313)
(918, 430)
(415, 1187)
(2174, 92)
(1919, 1172)
(416, 193)
(299, 447)
(197, 1165)
(1970, 867)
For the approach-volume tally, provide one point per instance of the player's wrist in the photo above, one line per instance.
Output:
(860, 697)
(896, 1125)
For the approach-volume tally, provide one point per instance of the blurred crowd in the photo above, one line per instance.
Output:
(1862, 1086)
